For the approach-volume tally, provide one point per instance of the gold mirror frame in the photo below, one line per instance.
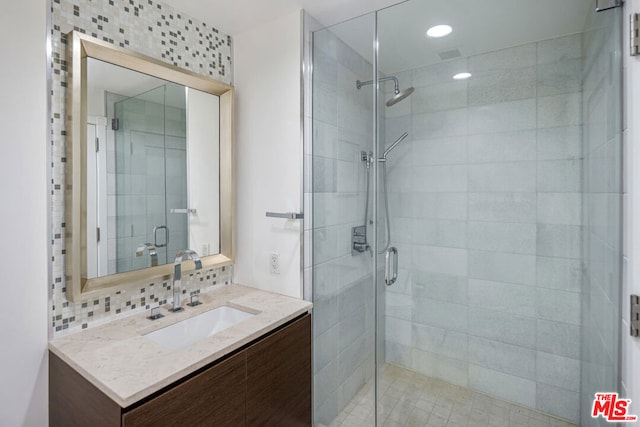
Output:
(79, 48)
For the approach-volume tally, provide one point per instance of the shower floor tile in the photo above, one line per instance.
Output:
(409, 399)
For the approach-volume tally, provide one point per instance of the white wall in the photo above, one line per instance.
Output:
(203, 140)
(23, 215)
(630, 353)
(268, 157)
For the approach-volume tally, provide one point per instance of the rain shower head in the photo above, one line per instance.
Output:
(399, 96)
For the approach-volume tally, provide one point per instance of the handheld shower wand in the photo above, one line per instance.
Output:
(362, 244)
(392, 146)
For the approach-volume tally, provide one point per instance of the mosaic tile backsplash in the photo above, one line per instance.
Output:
(156, 30)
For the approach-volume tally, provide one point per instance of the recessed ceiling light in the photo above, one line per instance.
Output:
(439, 31)
(462, 76)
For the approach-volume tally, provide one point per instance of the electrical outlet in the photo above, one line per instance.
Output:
(274, 263)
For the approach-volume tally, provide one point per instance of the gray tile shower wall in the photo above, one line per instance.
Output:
(486, 212)
(156, 30)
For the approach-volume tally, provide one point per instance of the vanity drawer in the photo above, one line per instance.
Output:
(279, 377)
(213, 397)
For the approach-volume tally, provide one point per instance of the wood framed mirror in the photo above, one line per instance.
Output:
(149, 171)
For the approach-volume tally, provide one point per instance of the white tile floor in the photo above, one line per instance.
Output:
(411, 399)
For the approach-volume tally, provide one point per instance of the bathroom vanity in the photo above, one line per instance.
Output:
(255, 373)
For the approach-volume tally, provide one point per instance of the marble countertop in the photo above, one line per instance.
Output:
(127, 367)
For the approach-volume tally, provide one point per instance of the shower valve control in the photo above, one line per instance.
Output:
(359, 240)
(366, 158)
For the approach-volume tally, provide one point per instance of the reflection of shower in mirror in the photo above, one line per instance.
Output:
(157, 145)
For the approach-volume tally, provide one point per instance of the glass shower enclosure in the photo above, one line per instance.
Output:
(149, 176)
(466, 230)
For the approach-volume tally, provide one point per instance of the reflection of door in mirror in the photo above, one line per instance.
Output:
(149, 176)
(97, 199)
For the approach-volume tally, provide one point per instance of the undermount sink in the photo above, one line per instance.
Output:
(191, 330)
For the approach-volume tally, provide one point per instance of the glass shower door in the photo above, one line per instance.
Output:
(504, 206)
(343, 244)
(602, 214)
(150, 152)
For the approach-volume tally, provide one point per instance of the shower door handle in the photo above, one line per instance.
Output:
(155, 236)
(387, 266)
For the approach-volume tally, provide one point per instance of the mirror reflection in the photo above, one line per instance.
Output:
(152, 170)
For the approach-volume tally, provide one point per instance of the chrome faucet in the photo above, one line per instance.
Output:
(177, 274)
(153, 253)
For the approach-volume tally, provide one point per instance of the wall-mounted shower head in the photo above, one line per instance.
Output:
(399, 96)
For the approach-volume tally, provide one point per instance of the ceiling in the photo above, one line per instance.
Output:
(237, 16)
(479, 26)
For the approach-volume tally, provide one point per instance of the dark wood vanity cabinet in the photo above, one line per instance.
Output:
(279, 378)
(266, 383)
(213, 397)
